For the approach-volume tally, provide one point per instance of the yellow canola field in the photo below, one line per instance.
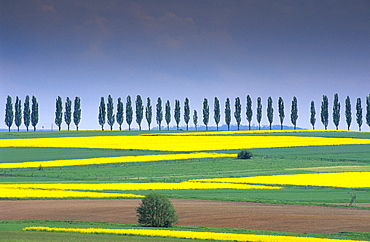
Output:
(137, 186)
(342, 179)
(106, 160)
(246, 132)
(16, 192)
(179, 143)
(189, 234)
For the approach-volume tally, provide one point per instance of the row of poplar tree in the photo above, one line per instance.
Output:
(107, 113)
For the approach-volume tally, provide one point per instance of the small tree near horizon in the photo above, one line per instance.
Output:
(58, 112)
(27, 112)
(159, 113)
(119, 114)
(77, 112)
(348, 112)
(227, 113)
(139, 110)
(129, 112)
(313, 115)
(359, 113)
(148, 112)
(167, 114)
(111, 118)
(205, 112)
(238, 111)
(156, 210)
(270, 111)
(34, 112)
(336, 111)
(325, 111)
(187, 113)
(259, 112)
(102, 113)
(249, 111)
(216, 111)
(294, 112)
(281, 111)
(68, 112)
(177, 113)
(18, 112)
(195, 119)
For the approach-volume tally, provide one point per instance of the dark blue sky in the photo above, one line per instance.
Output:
(176, 49)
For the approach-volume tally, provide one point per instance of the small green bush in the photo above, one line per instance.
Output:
(245, 154)
(157, 211)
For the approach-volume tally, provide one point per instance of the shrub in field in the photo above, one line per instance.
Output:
(245, 154)
(157, 211)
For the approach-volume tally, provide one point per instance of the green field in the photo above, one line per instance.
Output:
(272, 161)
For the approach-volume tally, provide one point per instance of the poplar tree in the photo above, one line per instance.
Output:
(359, 113)
(27, 112)
(216, 111)
(139, 110)
(59, 112)
(9, 115)
(77, 112)
(205, 112)
(102, 113)
(110, 112)
(119, 114)
(336, 111)
(325, 111)
(168, 114)
(18, 112)
(195, 119)
(34, 113)
(68, 112)
(313, 115)
(227, 113)
(281, 111)
(368, 110)
(294, 112)
(129, 112)
(270, 111)
(238, 111)
(259, 112)
(249, 112)
(187, 113)
(148, 112)
(177, 113)
(348, 112)
(159, 113)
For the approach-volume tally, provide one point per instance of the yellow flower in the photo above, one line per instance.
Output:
(342, 179)
(106, 160)
(180, 143)
(189, 234)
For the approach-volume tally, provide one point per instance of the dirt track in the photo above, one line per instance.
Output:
(288, 218)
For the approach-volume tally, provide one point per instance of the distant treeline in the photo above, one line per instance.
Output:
(108, 114)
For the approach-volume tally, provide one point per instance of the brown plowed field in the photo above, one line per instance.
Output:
(286, 218)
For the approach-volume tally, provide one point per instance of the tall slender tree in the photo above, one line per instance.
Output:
(238, 112)
(167, 114)
(129, 112)
(159, 113)
(313, 115)
(359, 113)
(216, 111)
(368, 110)
(148, 112)
(59, 112)
(68, 112)
(325, 111)
(187, 113)
(34, 113)
(348, 112)
(336, 111)
(102, 113)
(227, 113)
(77, 112)
(139, 110)
(249, 112)
(195, 119)
(205, 112)
(259, 112)
(119, 114)
(18, 112)
(27, 112)
(110, 112)
(294, 112)
(281, 111)
(270, 111)
(9, 114)
(177, 113)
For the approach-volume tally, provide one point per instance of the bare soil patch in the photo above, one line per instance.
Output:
(273, 217)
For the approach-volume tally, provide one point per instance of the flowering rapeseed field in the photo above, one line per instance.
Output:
(189, 234)
(17, 192)
(342, 179)
(106, 160)
(179, 143)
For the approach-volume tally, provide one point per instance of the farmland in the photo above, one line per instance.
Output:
(300, 169)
